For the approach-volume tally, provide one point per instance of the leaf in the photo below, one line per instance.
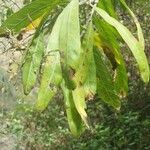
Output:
(105, 86)
(86, 74)
(34, 24)
(108, 6)
(139, 29)
(89, 63)
(32, 63)
(66, 35)
(33, 58)
(121, 78)
(27, 14)
(79, 101)
(51, 78)
(74, 119)
(131, 41)
(86, 84)
(108, 41)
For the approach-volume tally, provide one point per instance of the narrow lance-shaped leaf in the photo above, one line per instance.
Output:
(121, 78)
(131, 41)
(65, 37)
(51, 78)
(79, 101)
(27, 14)
(139, 29)
(70, 35)
(86, 74)
(74, 118)
(86, 83)
(89, 63)
(66, 34)
(108, 41)
(105, 86)
(32, 63)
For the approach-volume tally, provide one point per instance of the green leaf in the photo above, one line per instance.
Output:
(89, 63)
(110, 45)
(66, 35)
(27, 14)
(86, 84)
(139, 29)
(33, 58)
(134, 45)
(86, 74)
(105, 86)
(121, 78)
(32, 63)
(108, 6)
(108, 41)
(51, 78)
(74, 119)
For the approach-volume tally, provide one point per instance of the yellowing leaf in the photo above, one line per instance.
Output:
(121, 78)
(34, 24)
(74, 118)
(79, 101)
(85, 77)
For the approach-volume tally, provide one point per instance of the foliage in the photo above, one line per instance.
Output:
(48, 130)
(81, 65)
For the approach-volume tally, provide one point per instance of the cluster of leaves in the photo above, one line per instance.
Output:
(81, 67)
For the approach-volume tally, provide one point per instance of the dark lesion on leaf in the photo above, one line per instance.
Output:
(111, 57)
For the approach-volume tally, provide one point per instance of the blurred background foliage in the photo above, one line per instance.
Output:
(127, 129)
